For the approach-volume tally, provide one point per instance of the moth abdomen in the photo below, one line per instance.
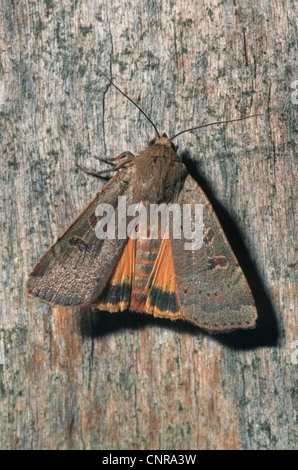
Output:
(146, 252)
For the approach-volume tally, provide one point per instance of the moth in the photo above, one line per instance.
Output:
(156, 276)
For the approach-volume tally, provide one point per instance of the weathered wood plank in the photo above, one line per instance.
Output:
(75, 380)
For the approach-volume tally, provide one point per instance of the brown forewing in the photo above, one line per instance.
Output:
(212, 289)
(76, 267)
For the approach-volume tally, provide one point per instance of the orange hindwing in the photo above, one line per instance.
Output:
(143, 280)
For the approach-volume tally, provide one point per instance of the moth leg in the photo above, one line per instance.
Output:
(109, 170)
(111, 160)
(92, 173)
(105, 160)
(129, 159)
(115, 168)
(130, 156)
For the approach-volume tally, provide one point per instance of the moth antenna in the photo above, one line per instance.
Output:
(212, 123)
(129, 99)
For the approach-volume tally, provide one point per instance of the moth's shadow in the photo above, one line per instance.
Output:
(98, 323)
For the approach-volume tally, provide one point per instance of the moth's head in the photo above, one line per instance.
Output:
(164, 141)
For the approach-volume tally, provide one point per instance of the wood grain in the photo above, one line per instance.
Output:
(74, 379)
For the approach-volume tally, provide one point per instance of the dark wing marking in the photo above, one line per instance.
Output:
(212, 289)
(76, 267)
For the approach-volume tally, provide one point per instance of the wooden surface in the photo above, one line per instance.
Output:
(79, 380)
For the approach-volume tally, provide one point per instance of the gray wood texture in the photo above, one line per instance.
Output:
(73, 379)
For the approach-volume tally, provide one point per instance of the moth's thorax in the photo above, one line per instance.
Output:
(159, 173)
(157, 150)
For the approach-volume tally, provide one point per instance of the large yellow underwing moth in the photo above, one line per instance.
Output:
(153, 275)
